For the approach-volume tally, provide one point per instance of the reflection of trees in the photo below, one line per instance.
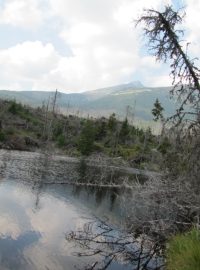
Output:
(99, 195)
(76, 190)
(39, 168)
(108, 246)
(113, 197)
(37, 188)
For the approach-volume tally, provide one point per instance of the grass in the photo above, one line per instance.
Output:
(129, 152)
(184, 251)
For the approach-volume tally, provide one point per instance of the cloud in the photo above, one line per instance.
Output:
(21, 13)
(103, 41)
(192, 26)
(104, 45)
(24, 63)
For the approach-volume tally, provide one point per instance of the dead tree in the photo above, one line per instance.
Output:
(54, 101)
(161, 29)
(47, 122)
(106, 245)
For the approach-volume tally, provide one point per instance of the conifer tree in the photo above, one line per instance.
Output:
(86, 140)
(157, 111)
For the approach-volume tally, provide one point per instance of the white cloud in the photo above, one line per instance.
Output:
(81, 33)
(192, 26)
(105, 46)
(24, 63)
(77, 10)
(103, 39)
(23, 13)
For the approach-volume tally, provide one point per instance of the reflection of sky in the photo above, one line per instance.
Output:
(11, 250)
(33, 223)
(33, 236)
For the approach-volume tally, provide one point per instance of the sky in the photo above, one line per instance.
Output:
(79, 45)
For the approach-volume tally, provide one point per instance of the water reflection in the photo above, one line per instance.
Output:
(11, 250)
(113, 197)
(34, 219)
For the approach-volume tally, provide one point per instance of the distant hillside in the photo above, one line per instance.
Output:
(132, 98)
(36, 129)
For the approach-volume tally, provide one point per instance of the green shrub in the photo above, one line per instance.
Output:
(61, 140)
(164, 146)
(39, 135)
(100, 129)
(57, 130)
(86, 139)
(112, 122)
(184, 251)
(176, 163)
(10, 131)
(22, 111)
(99, 147)
(129, 153)
(124, 131)
(2, 136)
(15, 108)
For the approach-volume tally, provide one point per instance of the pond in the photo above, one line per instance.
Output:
(34, 219)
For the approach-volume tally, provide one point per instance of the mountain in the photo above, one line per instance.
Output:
(132, 98)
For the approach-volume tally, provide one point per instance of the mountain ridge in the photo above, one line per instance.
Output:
(102, 102)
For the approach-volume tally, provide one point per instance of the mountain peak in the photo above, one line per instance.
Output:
(137, 84)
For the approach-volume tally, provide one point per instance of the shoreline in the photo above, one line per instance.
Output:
(53, 168)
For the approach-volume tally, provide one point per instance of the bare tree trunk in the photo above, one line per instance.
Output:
(54, 102)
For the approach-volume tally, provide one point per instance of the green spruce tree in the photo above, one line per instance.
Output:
(86, 139)
(157, 111)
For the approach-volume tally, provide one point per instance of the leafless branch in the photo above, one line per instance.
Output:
(165, 43)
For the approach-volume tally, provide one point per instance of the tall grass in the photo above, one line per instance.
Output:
(184, 251)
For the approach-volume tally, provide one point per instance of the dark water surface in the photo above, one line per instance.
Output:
(34, 220)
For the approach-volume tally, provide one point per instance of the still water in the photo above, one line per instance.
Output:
(34, 220)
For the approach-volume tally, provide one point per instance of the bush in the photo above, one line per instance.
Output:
(164, 146)
(99, 147)
(101, 129)
(10, 131)
(86, 140)
(112, 123)
(129, 153)
(124, 131)
(184, 251)
(82, 167)
(2, 136)
(15, 108)
(61, 140)
(57, 130)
